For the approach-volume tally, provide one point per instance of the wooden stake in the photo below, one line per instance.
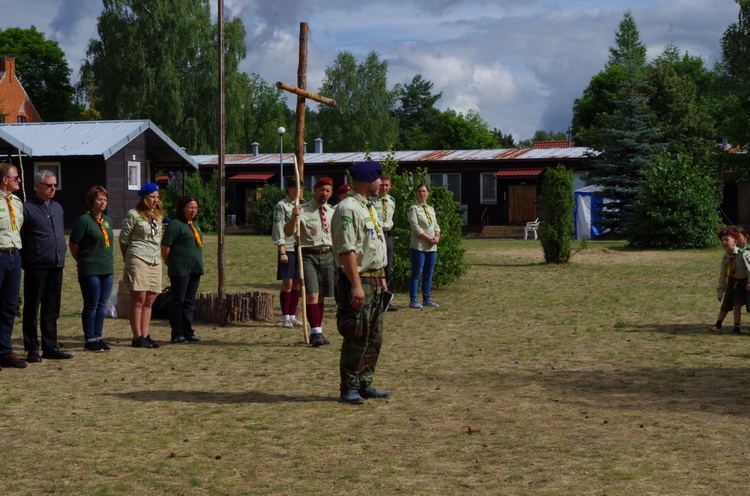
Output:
(300, 268)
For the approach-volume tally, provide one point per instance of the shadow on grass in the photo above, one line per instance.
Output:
(715, 390)
(219, 398)
(677, 329)
(519, 265)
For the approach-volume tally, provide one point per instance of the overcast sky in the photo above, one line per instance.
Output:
(518, 63)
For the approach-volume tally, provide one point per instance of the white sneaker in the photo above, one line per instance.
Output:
(294, 322)
(287, 324)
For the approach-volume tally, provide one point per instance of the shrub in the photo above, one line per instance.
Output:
(558, 204)
(204, 191)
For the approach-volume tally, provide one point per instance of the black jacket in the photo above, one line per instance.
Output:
(42, 235)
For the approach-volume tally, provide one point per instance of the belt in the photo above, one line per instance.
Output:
(315, 251)
(8, 251)
(373, 273)
(388, 233)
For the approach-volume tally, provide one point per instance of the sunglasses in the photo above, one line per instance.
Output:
(14, 178)
(49, 186)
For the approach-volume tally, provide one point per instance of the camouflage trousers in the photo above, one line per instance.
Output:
(362, 330)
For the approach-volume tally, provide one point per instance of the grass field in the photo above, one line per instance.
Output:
(593, 378)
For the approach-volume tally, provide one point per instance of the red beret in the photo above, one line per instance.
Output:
(729, 232)
(343, 189)
(323, 181)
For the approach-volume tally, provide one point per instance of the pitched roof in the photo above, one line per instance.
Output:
(11, 145)
(94, 138)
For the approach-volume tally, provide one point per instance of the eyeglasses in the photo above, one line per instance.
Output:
(49, 186)
(14, 178)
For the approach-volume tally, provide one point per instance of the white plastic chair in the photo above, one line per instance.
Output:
(531, 227)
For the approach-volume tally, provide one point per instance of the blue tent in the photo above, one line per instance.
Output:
(587, 207)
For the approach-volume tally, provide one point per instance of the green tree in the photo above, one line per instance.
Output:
(734, 69)
(676, 206)
(503, 140)
(157, 59)
(261, 112)
(362, 117)
(628, 50)
(558, 205)
(456, 131)
(43, 71)
(540, 135)
(416, 113)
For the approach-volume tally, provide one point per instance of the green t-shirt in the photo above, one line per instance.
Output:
(185, 256)
(94, 257)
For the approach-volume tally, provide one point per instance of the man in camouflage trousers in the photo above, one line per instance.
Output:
(360, 255)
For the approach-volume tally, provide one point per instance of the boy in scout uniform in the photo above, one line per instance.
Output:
(286, 267)
(360, 253)
(317, 259)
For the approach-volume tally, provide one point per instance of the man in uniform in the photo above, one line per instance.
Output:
(360, 253)
(317, 259)
(286, 267)
(11, 220)
(385, 206)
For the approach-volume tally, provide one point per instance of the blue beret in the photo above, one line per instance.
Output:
(147, 189)
(366, 172)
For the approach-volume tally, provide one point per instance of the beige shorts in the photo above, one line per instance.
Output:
(141, 275)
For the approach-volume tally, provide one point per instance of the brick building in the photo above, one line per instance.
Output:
(15, 105)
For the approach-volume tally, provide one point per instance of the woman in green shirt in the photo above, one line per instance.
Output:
(182, 251)
(90, 242)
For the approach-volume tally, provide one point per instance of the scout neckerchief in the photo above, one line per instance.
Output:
(384, 203)
(12, 211)
(195, 233)
(427, 213)
(323, 219)
(374, 218)
(154, 226)
(100, 221)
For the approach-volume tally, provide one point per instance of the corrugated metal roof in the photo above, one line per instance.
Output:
(499, 155)
(86, 138)
(12, 144)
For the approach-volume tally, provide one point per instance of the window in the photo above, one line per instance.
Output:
(451, 181)
(134, 175)
(21, 118)
(488, 188)
(50, 166)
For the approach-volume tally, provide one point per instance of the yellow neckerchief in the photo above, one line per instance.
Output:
(195, 233)
(384, 203)
(427, 213)
(100, 221)
(373, 215)
(12, 211)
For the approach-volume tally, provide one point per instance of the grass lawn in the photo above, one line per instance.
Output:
(594, 378)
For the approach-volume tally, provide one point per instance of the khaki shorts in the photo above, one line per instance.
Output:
(141, 275)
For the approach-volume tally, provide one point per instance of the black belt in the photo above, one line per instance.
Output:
(388, 233)
(313, 251)
(8, 251)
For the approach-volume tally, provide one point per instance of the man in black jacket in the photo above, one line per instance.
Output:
(43, 254)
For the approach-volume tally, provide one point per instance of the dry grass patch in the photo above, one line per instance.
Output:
(596, 377)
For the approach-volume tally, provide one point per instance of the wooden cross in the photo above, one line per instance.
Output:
(302, 95)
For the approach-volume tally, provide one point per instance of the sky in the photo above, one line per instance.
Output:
(520, 64)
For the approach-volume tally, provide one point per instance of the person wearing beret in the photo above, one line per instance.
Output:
(140, 244)
(732, 287)
(43, 256)
(91, 244)
(341, 193)
(286, 264)
(385, 206)
(182, 251)
(317, 260)
(425, 236)
(360, 255)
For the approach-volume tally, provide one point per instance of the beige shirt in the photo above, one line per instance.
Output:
(385, 206)
(9, 237)
(355, 227)
(422, 219)
(143, 239)
(312, 231)
(282, 213)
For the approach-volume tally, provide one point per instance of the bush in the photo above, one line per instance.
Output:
(558, 205)
(270, 195)
(204, 192)
(676, 206)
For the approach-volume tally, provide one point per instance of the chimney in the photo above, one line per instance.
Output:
(318, 145)
(254, 147)
(9, 67)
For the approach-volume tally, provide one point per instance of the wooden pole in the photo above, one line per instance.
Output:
(298, 248)
(299, 132)
(306, 94)
(222, 173)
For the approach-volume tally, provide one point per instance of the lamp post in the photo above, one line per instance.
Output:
(281, 132)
